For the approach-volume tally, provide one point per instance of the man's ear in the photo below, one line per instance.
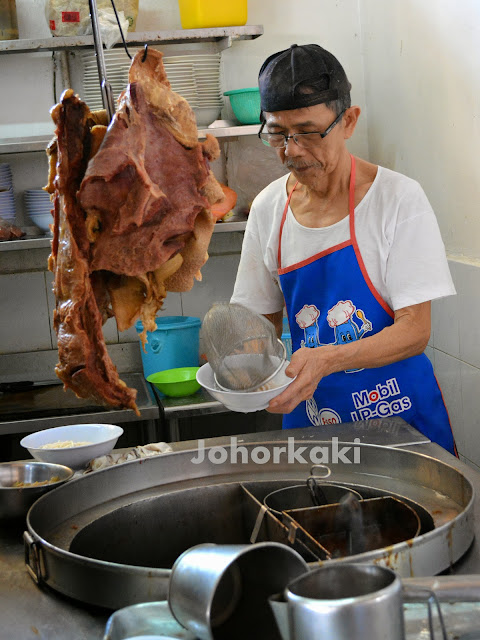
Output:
(350, 120)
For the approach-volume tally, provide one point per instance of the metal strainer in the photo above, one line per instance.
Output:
(241, 347)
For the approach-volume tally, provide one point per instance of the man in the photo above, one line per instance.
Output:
(354, 252)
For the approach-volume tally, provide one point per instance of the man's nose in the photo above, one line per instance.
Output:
(291, 148)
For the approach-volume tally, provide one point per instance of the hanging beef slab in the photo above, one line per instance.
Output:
(132, 220)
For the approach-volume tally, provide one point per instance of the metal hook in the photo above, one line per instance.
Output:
(121, 30)
(145, 53)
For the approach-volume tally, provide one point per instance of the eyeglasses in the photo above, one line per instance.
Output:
(306, 140)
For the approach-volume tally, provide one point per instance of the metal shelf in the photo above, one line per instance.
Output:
(29, 144)
(223, 36)
(43, 242)
(24, 145)
(228, 227)
(230, 132)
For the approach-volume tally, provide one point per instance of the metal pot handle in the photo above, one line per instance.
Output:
(34, 560)
(412, 593)
(327, 471)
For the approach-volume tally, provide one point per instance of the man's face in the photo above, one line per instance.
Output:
(311, 164)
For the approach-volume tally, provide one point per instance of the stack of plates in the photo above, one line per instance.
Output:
(117, 64)
(38, 207)
(195, 77)
(7, 197)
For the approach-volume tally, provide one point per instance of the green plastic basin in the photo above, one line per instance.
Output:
(176, 382)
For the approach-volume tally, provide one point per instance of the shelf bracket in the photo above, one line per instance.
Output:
(224, 43)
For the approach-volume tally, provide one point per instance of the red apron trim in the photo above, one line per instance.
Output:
(284, 216)
(317, 256)
(353, 238)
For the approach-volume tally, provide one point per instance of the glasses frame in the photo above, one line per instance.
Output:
(294, 136)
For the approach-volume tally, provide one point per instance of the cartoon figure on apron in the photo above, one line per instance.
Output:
(406, 388)
(339, 317)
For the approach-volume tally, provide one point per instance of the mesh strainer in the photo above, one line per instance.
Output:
(241, 347)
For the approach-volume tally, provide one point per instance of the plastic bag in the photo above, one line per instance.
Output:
(72, 17)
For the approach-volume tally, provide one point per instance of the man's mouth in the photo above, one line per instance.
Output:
(299, 168)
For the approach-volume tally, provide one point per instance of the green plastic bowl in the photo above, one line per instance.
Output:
(176, 382)
(245, 104)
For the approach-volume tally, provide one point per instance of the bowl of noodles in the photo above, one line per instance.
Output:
(73, 445)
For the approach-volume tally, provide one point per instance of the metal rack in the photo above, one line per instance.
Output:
(29, 144)
(222, 37)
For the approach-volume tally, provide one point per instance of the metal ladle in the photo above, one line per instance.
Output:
(316, 492)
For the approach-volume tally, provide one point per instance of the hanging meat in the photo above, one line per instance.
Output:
(132, 220)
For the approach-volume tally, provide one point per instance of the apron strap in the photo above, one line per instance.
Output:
(351, 210)
(285, 210)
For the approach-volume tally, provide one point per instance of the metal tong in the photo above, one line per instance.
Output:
(105, 87)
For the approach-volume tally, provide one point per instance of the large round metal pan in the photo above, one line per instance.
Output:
(109, 538)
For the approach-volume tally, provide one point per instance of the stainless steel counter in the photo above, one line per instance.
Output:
(34, 411)
(32, 613)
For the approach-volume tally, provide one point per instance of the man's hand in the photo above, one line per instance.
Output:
(307, 367)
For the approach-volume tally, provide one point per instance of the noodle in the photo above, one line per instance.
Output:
(63, 444)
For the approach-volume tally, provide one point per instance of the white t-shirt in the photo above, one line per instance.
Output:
(397, 234)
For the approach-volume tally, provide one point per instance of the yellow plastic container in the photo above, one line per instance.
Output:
(201, 14)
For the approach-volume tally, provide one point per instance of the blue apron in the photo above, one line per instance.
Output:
(331, 300)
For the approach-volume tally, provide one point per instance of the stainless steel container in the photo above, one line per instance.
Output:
(221, 591)
(346, 601)
(298, 497)
(21, 483)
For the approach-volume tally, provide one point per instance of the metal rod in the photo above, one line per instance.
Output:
(106, 89)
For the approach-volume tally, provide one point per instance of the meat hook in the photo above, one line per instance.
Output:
(121, 30)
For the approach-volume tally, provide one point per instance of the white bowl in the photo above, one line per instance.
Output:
(243, 401)
(102, 437)
(42, 220)
(206, 115)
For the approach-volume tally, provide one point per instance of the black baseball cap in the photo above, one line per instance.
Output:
(301, 76)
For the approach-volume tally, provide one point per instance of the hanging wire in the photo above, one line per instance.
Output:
(121, 30)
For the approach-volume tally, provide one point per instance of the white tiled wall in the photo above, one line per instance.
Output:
(455, 352)
(24, 316)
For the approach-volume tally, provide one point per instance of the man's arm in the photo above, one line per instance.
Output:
(277, 320)
(407, 336)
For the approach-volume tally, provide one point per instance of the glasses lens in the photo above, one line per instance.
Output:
(273, 139)
(308, 140)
